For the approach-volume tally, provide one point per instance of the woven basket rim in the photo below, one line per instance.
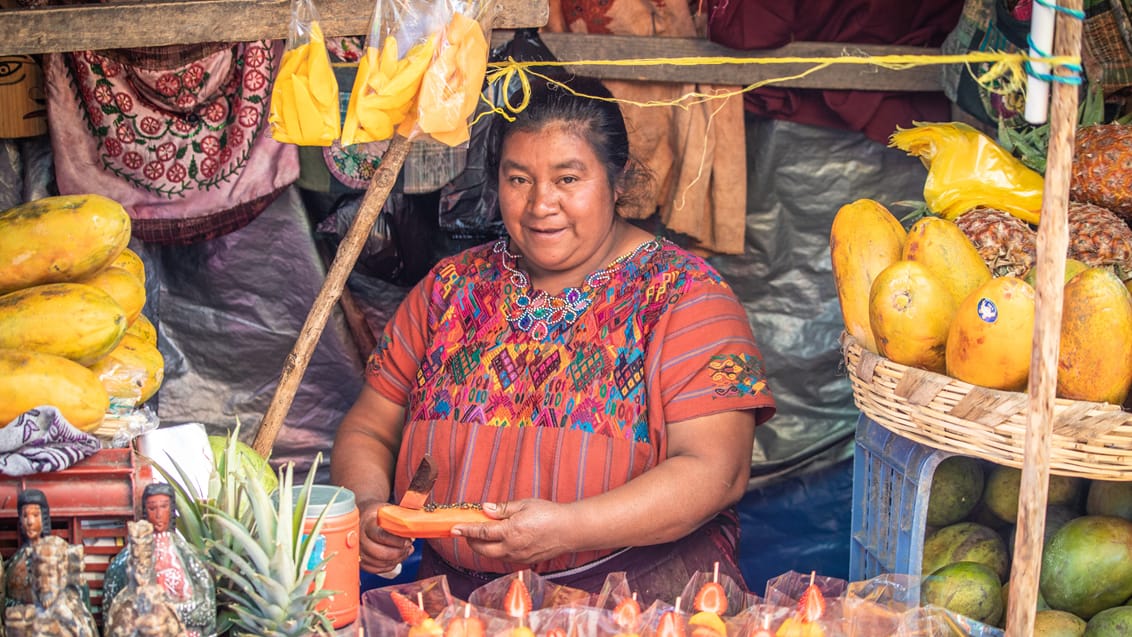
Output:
(1088, 439)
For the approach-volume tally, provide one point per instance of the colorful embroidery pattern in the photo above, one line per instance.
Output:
(737, 374)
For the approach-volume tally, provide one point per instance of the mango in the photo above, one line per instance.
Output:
(942, 247)
(59, 239)
(910, 312)
(1094, 359)
(131, 262)
(123, 287)
(1058, 623)
(132, 371)
(72, 320)
(1087, 565)
(864, 240)
(144, 329)
(31, 379)
(990, 339)
(967, 588)
(1073, 267)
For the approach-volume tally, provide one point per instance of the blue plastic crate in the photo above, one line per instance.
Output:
(892, 479)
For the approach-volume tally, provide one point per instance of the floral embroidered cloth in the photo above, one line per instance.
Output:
(566, 412)
(40, 440)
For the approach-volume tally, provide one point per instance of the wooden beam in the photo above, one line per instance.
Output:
(157, 23)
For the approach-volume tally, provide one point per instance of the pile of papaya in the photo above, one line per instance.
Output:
(72, 331)
(925, 298)
(1085, 582)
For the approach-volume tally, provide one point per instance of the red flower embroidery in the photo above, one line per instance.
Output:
(150, 125)
(166, 151)
(185, 101)
(125, 133)
(225, 155)
(193, 76)
(95, 114)
(111, 69)
(255, 56)
(113, 146)
(210, 145)
(176, 173)
(103, 94)
(125, 102)
(254, 80)
(215, 112)
(235, 135)
(132, 160)
(181, 125)
(249, 117)
(168, 84)
(154, 170)
(208, 167)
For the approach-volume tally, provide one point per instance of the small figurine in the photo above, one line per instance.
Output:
(58, 609)
(142, 605)
(34, 522)
(177, 567)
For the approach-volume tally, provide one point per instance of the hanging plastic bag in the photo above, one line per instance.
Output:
(967, 169)
(400, 45)
(304, 99)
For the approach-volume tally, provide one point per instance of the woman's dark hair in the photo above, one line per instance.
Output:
(598, 121)
(33, 496)
(160, 488)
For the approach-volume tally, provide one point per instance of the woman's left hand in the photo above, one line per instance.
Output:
(526, 531)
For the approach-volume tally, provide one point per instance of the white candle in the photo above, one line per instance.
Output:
(1041, 45)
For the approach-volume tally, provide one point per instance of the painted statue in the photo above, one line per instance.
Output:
(142, 604)
(57, 609)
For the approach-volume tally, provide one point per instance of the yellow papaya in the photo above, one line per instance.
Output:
(942, 247)
(59, 239)
(72, 320)
(910, 312)
(990, 341)
(1094, 359)
(123, 287)
(864, 240)
(132, 263)
(32, 379)
(143, 329)
(132, 372)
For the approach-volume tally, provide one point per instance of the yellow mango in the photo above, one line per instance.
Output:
(129, 261)
(72, 320)
(942, 247)
(32, 379)
(1095, 352)
(864, 240)
(123, 287)
(133, 371)
(991, 337)
(910, 312)
(59, 239)
(143, 329)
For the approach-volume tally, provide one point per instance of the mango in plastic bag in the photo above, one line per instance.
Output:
(385, 90)
(967, 169)
(304, 98)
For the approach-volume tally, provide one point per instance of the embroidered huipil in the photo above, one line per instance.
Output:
(566, 412)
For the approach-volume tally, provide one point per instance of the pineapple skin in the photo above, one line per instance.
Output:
(1102, 167)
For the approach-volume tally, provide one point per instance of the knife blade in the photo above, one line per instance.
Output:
(421, 485)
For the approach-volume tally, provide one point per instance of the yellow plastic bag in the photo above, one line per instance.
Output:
(967, 169)
(304, 99)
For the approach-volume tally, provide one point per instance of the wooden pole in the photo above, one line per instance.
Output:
(351, 246)
(1053, 241)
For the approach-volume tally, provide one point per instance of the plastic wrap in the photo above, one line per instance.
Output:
(304, 97)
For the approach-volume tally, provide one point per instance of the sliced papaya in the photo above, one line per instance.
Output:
(418, 523)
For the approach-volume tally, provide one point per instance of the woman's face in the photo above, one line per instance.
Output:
(32, 518)
(159, 511)
(557, 204)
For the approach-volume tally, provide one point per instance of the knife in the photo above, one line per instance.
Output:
(421, 485)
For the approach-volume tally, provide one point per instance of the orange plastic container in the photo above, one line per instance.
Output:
(338, 541)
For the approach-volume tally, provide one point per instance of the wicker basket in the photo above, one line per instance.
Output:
(1089, 440)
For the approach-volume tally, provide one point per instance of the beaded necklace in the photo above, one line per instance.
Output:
(538, 311)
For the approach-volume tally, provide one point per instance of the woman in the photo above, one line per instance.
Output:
(596, 388)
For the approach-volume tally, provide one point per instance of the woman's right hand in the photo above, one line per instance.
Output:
(381, 551)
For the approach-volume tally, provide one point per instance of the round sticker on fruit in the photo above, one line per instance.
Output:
(987, 310)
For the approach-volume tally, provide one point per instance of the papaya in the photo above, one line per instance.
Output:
(123, 287)
(132, 371)
(60, 238)
(32, 379)
(1073, 267)
(419, 523)
(72, 320)
(864, 240)
(1087, 565)
(131, 262)
(990, 339)
(1094, 360)
(143, 329)
(942, 247)
(909, 313)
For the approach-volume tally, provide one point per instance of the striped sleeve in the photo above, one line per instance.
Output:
(709, 362)
(393, 365)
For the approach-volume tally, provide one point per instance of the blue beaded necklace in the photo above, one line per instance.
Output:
(538, 313)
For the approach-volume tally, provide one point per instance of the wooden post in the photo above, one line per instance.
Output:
(351, 246)
(1053, 241)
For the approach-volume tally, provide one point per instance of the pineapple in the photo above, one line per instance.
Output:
(1097, 237)
(1007, 244)
(1102, 167)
